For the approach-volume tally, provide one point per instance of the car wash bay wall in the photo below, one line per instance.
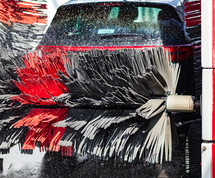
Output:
(208, 90)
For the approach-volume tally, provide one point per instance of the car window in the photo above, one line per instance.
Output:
(114, 24)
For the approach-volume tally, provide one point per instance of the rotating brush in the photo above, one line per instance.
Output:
(41, 132)
(128, 96)
(121, 101)
(22, 26)
(194, 138)
(193, 27)
(37, 78)
(11, 136)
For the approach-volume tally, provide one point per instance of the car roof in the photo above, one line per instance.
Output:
(174, 3)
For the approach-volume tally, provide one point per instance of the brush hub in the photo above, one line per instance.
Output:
(178, 103)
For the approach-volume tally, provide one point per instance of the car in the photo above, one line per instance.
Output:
(118, 24)
(124, 24)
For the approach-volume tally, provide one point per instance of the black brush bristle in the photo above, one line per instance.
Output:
(111, 83)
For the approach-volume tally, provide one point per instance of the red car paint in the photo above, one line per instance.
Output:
(177, 52)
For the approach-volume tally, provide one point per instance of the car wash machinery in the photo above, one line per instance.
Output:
(208, 93)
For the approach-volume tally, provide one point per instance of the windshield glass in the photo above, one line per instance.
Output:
(114, 24)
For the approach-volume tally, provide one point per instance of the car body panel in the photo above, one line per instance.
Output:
(174, 3)
(183, 51)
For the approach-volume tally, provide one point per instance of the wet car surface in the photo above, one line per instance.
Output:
(114, 26)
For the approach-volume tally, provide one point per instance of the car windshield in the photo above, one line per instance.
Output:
(114, 24)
